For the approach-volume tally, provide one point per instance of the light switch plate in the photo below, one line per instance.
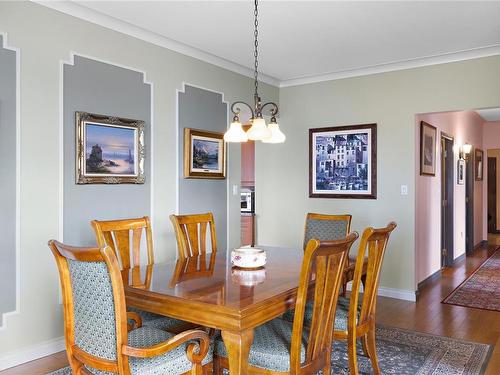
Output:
(235, 189)
(404, 189)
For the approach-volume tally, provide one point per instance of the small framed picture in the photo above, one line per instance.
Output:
(343, 162)
(478, 164)
(461, 172)
(428, 135)
(109, 150)
(204, 154)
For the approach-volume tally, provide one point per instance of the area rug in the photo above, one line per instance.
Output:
(481, 290)
(403, 352)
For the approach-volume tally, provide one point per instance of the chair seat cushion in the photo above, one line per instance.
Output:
(271, 346)
(341, 315)
(157, 321)
(172, 362)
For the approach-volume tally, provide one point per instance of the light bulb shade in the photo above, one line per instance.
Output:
(258, 131)
(277, 135)
(466, 148)
(235, 133)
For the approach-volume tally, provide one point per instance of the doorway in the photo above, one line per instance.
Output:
(247, 192)
(447, 188)
(469, 204)
(492, 194)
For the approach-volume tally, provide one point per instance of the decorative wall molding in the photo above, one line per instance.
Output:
(71, 61)
(6, 316)
(177, 158)
(474, 53)
(123, 27)
(31, 353)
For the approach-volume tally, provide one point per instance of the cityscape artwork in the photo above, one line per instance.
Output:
(343, 162)
(110, 150)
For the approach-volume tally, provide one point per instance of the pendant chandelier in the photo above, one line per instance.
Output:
(258, 131)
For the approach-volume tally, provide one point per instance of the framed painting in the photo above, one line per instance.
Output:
(204, 154)
(428, 136)
(343, 162)
(109, 150)
(478, 164)
(461, 172)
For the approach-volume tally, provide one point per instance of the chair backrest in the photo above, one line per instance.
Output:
(326, 227)
(95, 322)
(191, 234)
(117, 235)
(325, 260)
(374, 242)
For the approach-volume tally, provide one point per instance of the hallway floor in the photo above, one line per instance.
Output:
(427, 315)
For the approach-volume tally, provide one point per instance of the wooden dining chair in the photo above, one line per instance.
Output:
(282, 347)
(125, 238)
(191, 233)
(354, 319)
(97, 335)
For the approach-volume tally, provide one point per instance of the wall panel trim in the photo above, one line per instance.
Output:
(5, 316)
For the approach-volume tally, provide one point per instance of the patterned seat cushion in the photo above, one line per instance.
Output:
(271, 346)
(325, 230)
(157, 321)
(341, 315)
(172, 362)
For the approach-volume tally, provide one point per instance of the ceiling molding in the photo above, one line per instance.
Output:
(395, 66)
(123, 27)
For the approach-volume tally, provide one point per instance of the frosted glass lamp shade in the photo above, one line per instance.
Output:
(258, 131)
(277, 135)
(235, 133)
(467, 148)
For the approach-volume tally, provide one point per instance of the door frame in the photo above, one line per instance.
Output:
(469, 204)
(492, 161)
(447, 200)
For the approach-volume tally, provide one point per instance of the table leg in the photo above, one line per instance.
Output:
(238, 347)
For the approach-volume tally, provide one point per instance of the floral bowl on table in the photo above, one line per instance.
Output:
(248, 257)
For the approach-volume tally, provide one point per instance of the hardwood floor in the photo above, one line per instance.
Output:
(428, 315)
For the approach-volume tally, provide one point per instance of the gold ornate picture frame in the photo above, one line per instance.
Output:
(204, 154)
(109, 150)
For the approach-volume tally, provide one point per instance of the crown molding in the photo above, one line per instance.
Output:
(474, 53)
(90, 15)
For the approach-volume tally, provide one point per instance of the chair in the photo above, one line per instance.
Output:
(191, 234)
(354, 320)
(282, 347)
(97, 336)
(119, 235)
(331, 227)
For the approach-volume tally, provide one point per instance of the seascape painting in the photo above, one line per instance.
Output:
(204, 154)
(109, 149)
(342, 162)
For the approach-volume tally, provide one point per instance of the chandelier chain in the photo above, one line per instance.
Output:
(256, 44)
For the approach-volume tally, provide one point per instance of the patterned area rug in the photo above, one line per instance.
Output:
(481, 290)
(403, 352)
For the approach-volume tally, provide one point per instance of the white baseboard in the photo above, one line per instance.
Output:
(30, 353)
(403, 294)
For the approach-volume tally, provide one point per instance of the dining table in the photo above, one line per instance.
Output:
(208, 291)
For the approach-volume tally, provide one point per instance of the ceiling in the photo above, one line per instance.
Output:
(489, 114)
(303, 41)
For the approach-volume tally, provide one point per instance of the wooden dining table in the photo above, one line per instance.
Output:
(206, 290)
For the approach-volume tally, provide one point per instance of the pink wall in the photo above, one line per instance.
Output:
(491, 140)
(464, 127)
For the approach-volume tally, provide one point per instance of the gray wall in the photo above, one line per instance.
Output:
(7, 180)
(202, 109)
(105, 89)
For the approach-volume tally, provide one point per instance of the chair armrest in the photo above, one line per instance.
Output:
(136, 318)
(172, 343)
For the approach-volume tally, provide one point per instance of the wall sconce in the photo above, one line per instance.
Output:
(464, 151)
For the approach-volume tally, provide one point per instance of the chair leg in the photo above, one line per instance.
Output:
(327, 370)
(351, 351)
(364, 341)
(216, 366)
(197, 369)
(372, 350)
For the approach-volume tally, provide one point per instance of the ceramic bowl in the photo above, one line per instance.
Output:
(248, 257)
(248, 277)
